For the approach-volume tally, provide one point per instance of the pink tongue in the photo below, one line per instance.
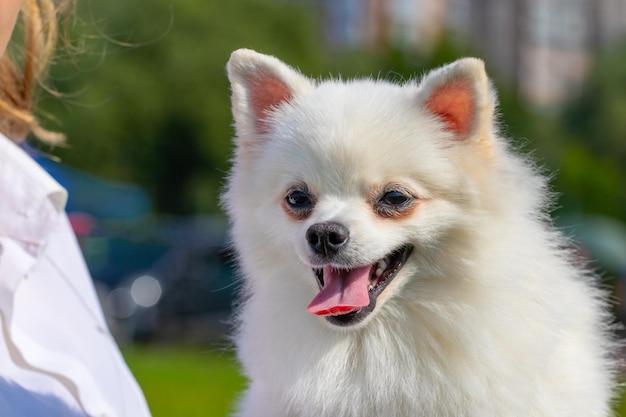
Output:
(343, 292)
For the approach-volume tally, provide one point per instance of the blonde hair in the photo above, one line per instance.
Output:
(19, 78)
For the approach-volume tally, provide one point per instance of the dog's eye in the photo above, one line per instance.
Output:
(299, 199)
(395, 198)
(395, 203)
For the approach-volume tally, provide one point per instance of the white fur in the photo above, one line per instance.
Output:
(489, 317)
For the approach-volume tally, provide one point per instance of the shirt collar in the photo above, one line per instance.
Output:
(31, 201)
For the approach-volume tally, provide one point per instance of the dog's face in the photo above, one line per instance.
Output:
(357, 185)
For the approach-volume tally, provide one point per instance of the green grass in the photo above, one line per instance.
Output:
(197, 382)
(620, 406)
(186, 381)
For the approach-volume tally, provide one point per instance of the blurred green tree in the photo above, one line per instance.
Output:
(149, 101)
(593, 163)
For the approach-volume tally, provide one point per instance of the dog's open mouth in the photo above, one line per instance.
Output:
(348, 295)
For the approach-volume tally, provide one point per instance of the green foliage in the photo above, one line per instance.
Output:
(151, 103)
(598, 115)
(594, 157)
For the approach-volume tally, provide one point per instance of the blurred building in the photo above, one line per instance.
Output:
(543, 48)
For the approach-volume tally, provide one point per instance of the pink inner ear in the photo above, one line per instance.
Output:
(454, 104)
(267, 92)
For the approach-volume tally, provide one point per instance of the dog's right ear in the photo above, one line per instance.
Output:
(260, 84)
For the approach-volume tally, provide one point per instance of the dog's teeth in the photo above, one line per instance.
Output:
(370, 287)
(382, 265)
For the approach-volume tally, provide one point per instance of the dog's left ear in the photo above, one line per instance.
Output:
(461, 97)
(260, 84)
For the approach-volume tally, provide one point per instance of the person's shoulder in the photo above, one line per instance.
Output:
(30, 199)
(18, 168)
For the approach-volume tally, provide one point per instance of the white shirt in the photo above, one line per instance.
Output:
(57, 356)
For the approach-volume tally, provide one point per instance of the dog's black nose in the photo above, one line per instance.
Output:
(328, 238)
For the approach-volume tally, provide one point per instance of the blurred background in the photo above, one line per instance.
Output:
(146, 109)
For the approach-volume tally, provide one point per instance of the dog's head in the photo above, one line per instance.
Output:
(359, 185)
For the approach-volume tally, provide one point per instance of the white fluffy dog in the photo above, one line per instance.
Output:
(397, 257)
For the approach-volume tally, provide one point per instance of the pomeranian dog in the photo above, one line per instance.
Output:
(397, 257)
